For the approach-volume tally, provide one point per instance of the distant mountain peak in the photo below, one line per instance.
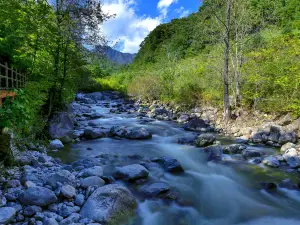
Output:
(116, 56)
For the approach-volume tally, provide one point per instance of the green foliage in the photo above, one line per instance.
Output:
(182, 61)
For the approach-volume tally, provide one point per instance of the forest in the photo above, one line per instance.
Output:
(183, 61)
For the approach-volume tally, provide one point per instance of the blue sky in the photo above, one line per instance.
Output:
(135, 19)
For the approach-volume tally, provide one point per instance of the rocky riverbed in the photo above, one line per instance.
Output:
(116, 161)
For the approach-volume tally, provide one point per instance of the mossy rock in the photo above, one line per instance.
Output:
(5, 151)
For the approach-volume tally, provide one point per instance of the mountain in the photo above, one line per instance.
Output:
(116, 56)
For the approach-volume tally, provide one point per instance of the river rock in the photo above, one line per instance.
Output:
(292, 152)
(196, 125)
(31, 210)
(293, 162)
(153, 190)
(287, 146)
(251, 153)
(56, 144)
(63, 177)
(72, 219)
(7, 214)
(49, 221)
(60, 125)
(204, 140)
(288, 137)
(288, 184)
(214, 153)
(170, 164)
(183, 118)
(92, 181)
(108, 204)
(94, 133)
(134, 133)
(132, 172)
(37, 196)
(3, 201)
(93, 171)
(234, 149)
(271, 161)
(79, 200)
(68, 191)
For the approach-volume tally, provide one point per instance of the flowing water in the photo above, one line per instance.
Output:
(217, 193)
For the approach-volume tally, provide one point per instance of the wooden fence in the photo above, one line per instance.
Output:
(10, 78)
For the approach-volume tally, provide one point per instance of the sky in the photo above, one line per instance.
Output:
(135, 19)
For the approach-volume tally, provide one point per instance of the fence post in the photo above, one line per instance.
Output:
(6, 75)
(12, 77)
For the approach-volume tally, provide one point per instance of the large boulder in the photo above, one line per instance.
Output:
(204, 140)
(196, 125)
(109, 204)
(293, 162)
(133, 133)
(95, 96)
(287, 146)
(61, 125)
(37, 196)
(132, 172)
(183, 118)
(7, 214)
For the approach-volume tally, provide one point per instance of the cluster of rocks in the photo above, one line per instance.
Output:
(42, 190)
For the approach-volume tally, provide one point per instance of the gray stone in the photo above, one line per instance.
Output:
(94, 133)
(65, 211)
(288, 137)
(183, 118)
(204, 140)
(56, 144)
(292, 152)
(63, 176)
(108, 204)
(197, 125)
(79, 200)
(170, 164)
(214, 152)
(234, 149)
(31, 210)
(50, 221)
(3, 201)
(68, 191)
(92, 181)
(271, 161)
(93, 171)
(287, 146)
(73, 218)
(155, 189)
(132, 172)
(13, 183)
(7, 214)
(132, 133)
(293, 162)
(61, 125)
(251, 153)
(37, 196)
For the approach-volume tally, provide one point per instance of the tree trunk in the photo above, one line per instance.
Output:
(227, 112)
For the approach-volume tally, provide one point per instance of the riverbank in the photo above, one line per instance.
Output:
(123, 161)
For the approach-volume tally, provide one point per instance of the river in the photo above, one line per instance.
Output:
(224, 193)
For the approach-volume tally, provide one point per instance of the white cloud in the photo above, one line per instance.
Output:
(127, 27)
(182, 12)
(163, 6)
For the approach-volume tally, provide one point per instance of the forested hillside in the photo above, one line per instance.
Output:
(183, 61)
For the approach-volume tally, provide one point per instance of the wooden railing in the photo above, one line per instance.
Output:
(10, 78)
